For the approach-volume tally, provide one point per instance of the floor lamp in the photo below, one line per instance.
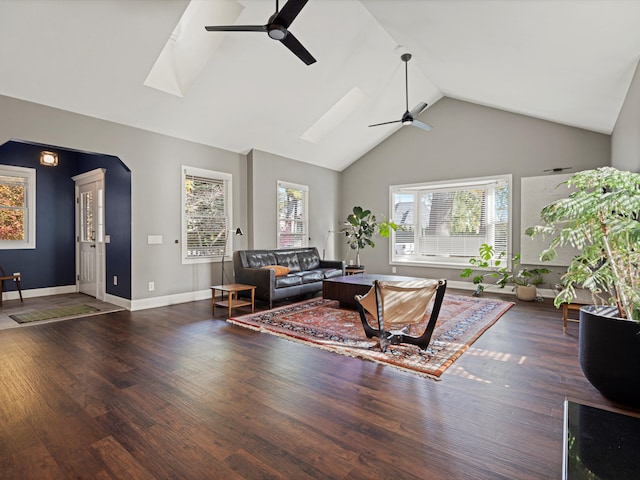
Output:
(237, 231)
(326, 241)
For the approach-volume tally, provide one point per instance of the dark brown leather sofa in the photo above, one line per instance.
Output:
(299, 271)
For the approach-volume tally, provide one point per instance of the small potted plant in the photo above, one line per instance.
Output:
(526, 281)
(489, 264)
(601, 219)
(494, 265)
(360, 228)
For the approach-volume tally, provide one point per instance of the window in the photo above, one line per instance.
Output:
(293, 215)
(206, 215)
(444, 223)
(17, 207)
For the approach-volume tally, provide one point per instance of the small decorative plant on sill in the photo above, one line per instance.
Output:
(360, 228)
(529, 276)
(494, 265)
(490, 265)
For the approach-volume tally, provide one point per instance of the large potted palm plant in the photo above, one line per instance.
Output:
(601, 219)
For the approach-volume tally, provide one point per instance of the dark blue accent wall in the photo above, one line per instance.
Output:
(52, 263)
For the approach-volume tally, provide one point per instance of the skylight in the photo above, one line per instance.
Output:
(190, 46)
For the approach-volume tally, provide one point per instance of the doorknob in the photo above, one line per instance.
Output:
(93, 245)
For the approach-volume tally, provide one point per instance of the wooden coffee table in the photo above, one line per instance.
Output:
(345, 288)
(232, 300)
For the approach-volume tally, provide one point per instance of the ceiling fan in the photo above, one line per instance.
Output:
(276, 28)
(409, 116)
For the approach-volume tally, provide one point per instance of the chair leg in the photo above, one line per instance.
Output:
(19, 289)
(368, 331)
(423, 340)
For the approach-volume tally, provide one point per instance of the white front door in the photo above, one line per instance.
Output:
(90, 233)
(88, 236)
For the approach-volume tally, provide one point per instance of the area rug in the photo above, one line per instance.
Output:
(322, 323)
(53, 313)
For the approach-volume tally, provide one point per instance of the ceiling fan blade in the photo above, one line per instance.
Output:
(385, 123)
(418, 109)
(423, 126)
(289, 12)
(237, 28)
(296, 47)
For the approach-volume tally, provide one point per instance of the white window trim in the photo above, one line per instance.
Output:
(30, 175)
(302, 188)
(201, 172)
(448, 185)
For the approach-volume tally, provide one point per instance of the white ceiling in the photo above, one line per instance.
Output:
(567, 61)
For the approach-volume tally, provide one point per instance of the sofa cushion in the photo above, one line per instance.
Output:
(280, 270)
(309, 260)
(288, 259)
(310, 276)
(331, 272)
(260, 259)
(288, 281)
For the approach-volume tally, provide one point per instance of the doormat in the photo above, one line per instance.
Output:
(322, 324)
(52, 313)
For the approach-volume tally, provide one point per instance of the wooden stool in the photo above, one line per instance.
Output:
(565, 314)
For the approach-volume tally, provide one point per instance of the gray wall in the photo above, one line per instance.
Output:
(625, 140)
(265, 169)
(155, 162)
(467, 141)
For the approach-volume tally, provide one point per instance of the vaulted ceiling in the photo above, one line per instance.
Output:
(569, 62)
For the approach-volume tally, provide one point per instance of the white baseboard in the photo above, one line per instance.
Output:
(39, 292)
(167, 300)
(119, 301)
(178, 298)
(508, 290)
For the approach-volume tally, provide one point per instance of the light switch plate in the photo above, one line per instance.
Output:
(154, 239)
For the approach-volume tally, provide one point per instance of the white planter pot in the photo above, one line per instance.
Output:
(526, 293)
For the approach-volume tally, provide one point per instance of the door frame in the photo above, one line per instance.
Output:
(92, 176)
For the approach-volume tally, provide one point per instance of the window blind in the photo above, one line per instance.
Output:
(447, 223)
(292, 215)
(205, 216)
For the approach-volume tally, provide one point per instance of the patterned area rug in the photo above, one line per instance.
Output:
(321, 323)
(51, 313)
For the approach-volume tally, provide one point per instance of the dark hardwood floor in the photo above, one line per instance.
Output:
(172, 393)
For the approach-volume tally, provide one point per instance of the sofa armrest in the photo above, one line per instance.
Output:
(264, 280)
(333, 264)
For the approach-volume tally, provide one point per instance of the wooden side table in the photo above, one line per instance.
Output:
(232, 300)
(353, 271)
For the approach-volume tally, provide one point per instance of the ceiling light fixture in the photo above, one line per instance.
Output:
(277, 32)
(49, 159)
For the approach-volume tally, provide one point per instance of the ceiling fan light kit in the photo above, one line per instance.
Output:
(277, 28)
(409, 117)
(277, 32)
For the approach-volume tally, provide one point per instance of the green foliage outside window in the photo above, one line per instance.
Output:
(12, 202)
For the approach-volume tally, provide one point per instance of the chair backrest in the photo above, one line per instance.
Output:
(401, 303)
